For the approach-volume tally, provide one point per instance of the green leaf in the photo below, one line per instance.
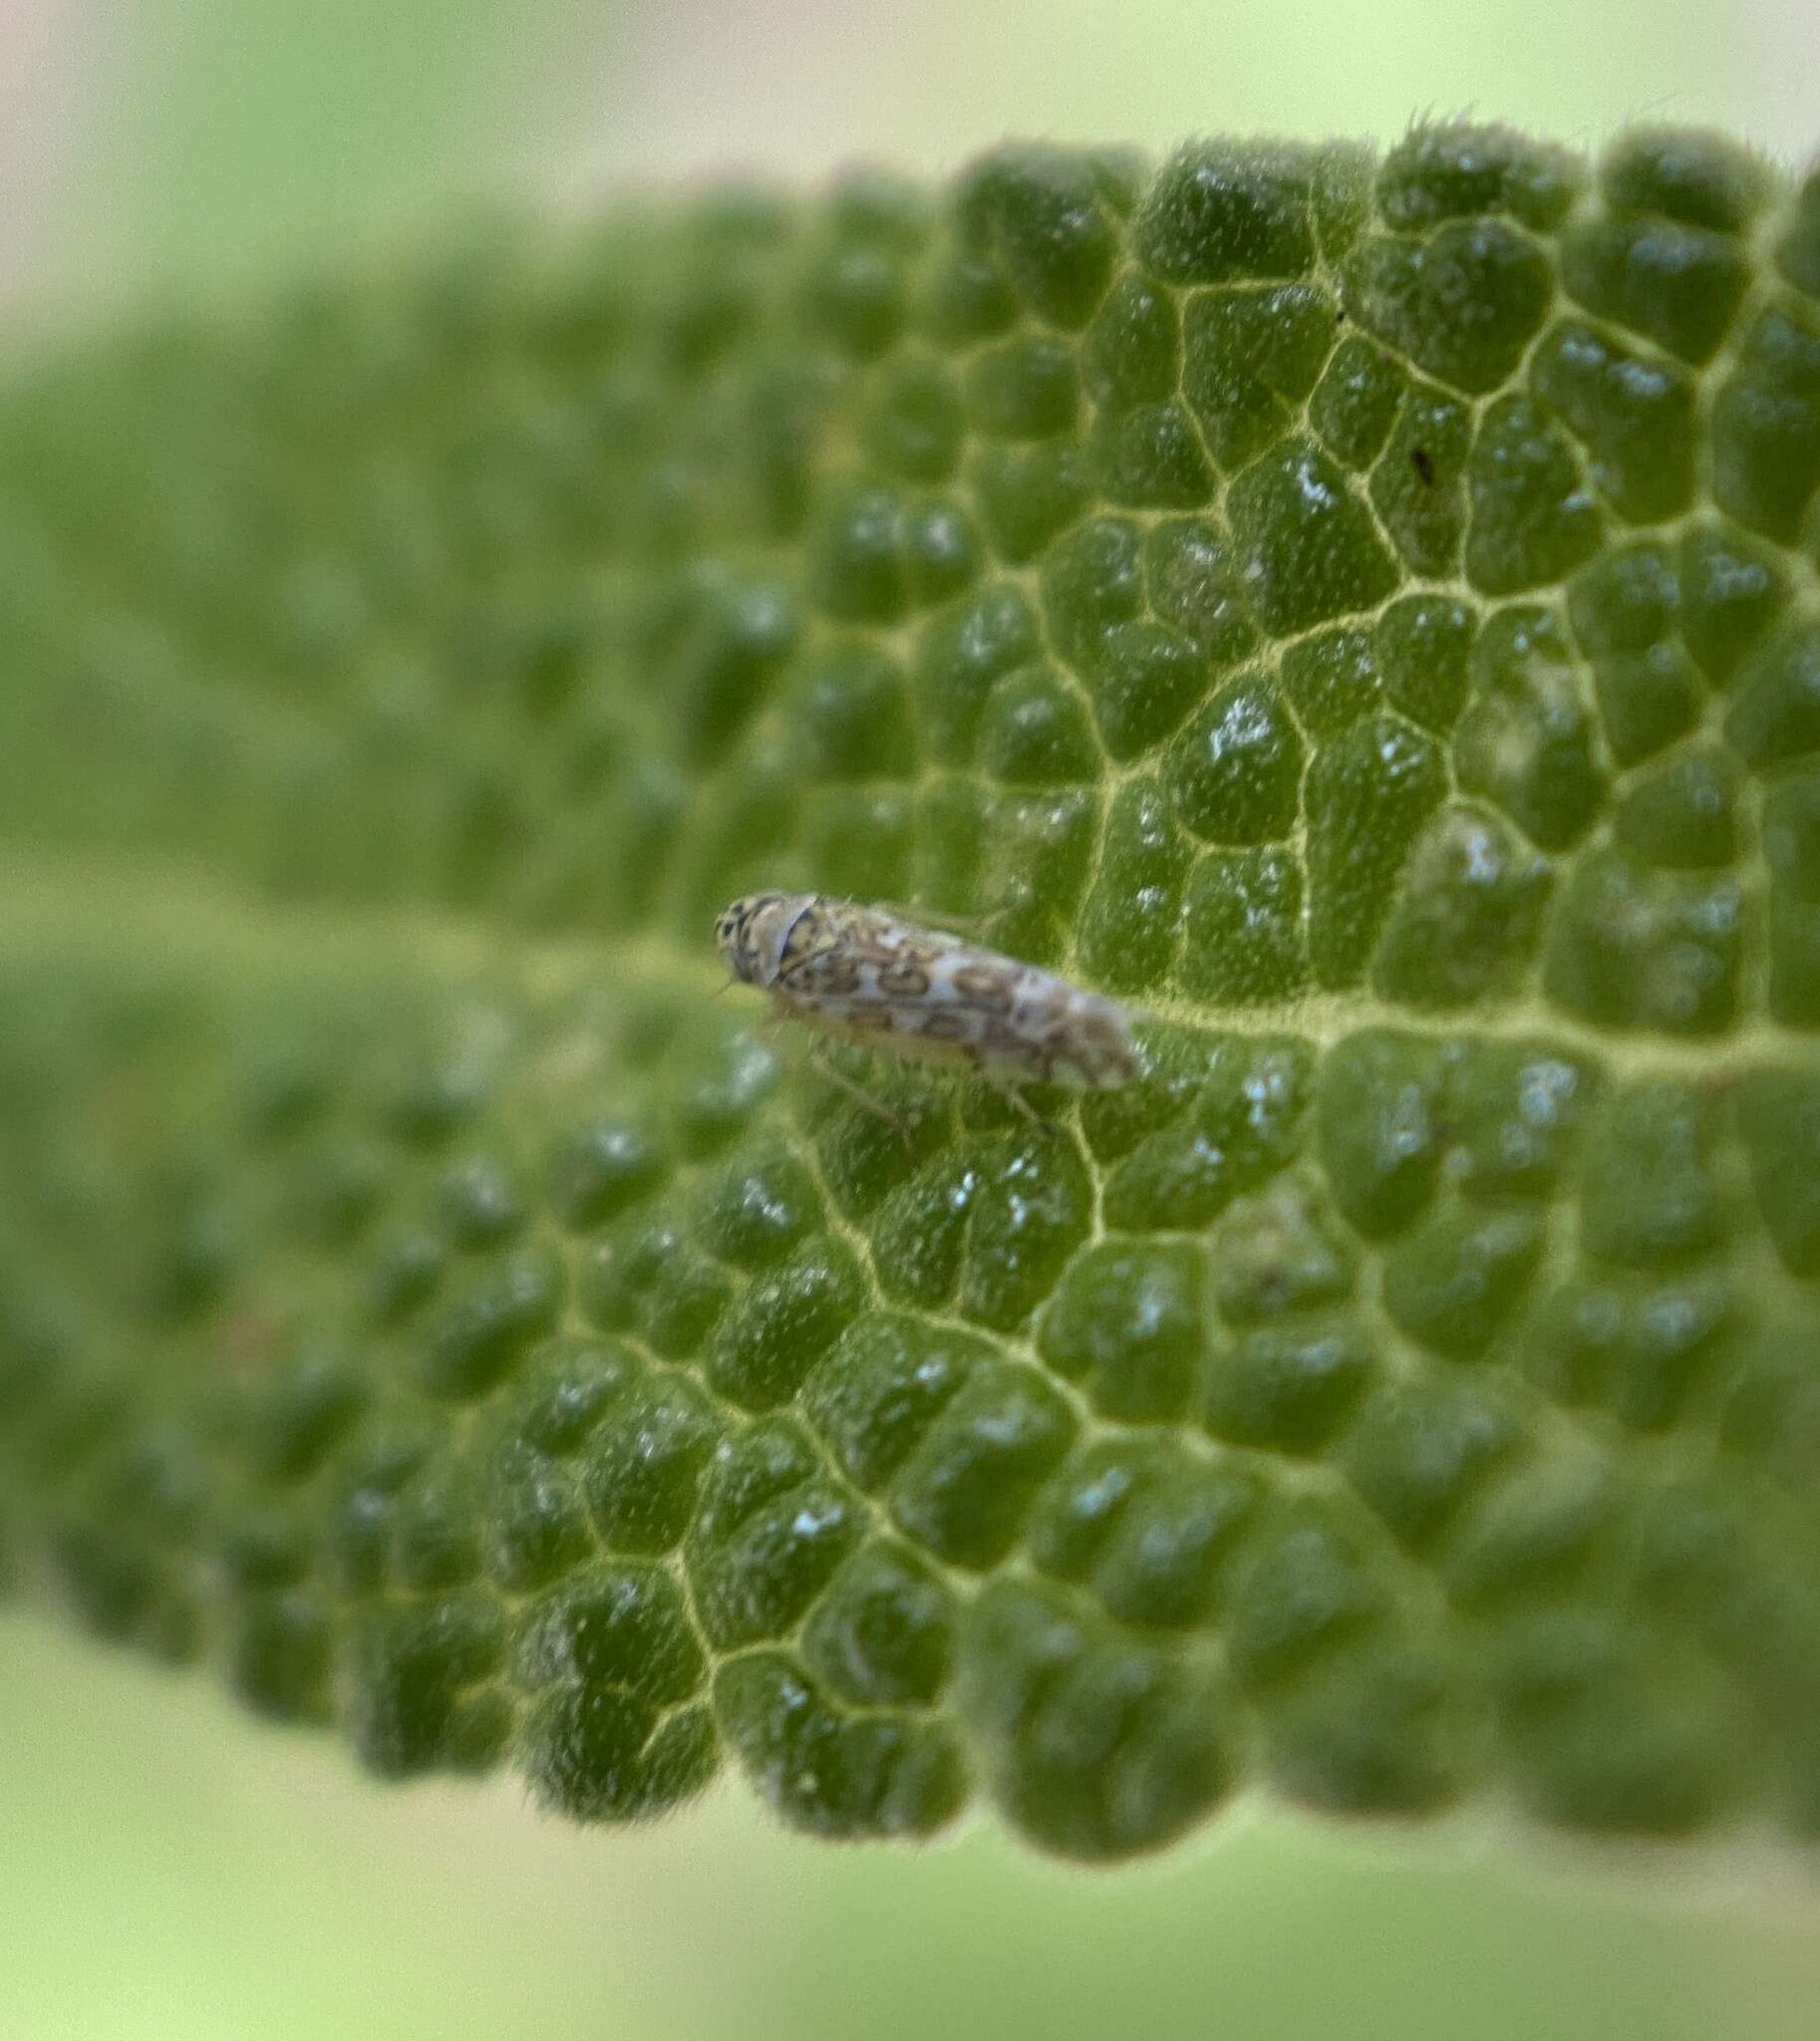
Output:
(1358, 611)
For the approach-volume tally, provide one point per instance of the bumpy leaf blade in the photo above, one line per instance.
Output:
(1360, 611)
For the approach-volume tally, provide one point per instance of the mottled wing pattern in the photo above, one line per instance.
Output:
(864, 975)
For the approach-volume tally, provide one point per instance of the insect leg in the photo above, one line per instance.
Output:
(1014, 1096)
(824, 1067)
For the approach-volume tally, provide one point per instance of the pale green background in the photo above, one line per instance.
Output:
(141, 139)
(174, 1871)
(168, 1868)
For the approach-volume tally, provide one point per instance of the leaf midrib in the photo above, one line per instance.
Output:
(176, 918)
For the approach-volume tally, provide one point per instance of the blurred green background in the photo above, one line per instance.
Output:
(168, 1868)
(144, 141)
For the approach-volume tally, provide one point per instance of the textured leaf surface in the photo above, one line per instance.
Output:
(1361, 611)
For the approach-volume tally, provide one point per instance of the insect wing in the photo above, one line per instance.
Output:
(863, 973)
